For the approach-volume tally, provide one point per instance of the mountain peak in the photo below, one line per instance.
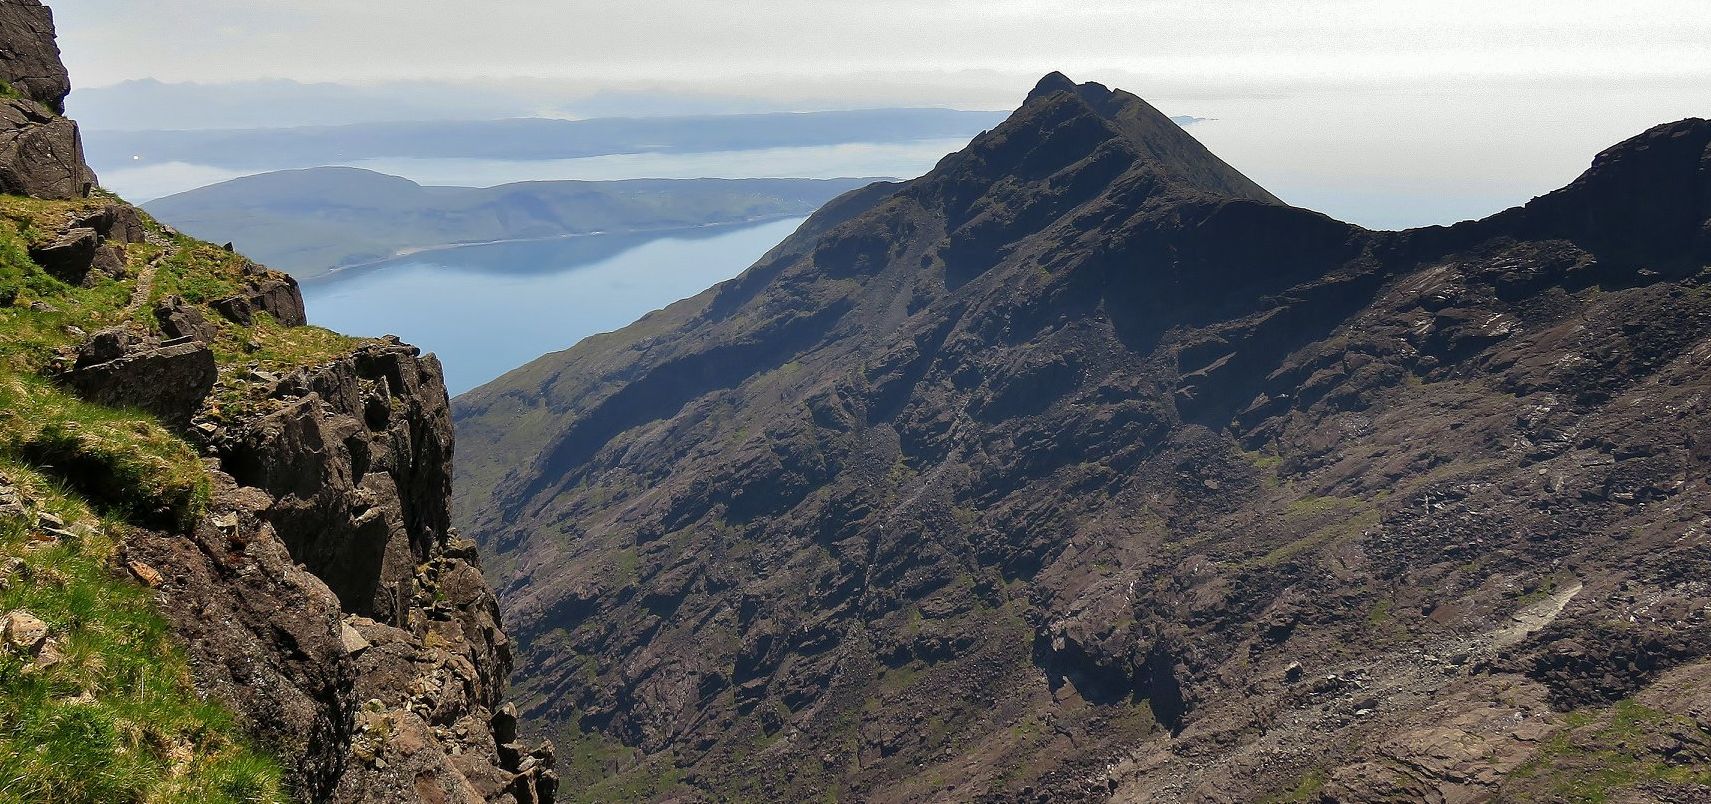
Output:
(1159, 140)
(1054, 82)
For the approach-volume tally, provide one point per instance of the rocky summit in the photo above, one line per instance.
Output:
(1084, 469)
(227, 567)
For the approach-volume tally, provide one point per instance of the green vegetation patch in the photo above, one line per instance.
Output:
(124, 461)
(1597, 756)
(1267, 464)
(594, 768)
(1305, 789)
(1351, 519)
(198, 271)
(106, 712)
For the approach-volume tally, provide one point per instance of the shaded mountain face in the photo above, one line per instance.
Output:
(1082, 469)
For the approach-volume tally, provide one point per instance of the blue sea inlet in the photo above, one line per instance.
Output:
(487, 309)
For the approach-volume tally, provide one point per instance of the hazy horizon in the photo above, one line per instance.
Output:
(1384, 114)
(978, 43)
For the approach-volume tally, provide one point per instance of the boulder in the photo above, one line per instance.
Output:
(22, 632)
(352, 640)
(109, 262)
(238, 309)
(41, 154)
(168, 379)
(70, 256)
(106, 345)
(271, 293)
(117, 222)
(146, 575)
(180, 319)
(278, 296)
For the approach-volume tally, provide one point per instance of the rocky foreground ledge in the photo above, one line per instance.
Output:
(325, 598)
(278, 492)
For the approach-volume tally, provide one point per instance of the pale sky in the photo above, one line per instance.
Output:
(1384, 111)
(1171, 41)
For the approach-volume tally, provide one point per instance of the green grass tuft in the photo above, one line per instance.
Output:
(116, 719)
(124, 461)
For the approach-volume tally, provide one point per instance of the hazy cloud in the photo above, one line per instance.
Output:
(1263, 41)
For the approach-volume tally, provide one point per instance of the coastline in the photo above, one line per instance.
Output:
(344, 271)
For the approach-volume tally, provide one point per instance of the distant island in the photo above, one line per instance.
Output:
(528, 139)
(311, 222)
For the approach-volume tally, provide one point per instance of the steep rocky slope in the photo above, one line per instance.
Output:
(227, 571)
(1081, 469)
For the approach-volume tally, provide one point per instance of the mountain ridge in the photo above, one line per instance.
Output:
(1075, 471)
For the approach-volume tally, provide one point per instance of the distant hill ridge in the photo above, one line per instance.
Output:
(310, 221)
(530, 139)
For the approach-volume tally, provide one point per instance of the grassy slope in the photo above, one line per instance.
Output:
(118, 718)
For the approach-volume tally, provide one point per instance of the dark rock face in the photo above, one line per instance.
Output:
(263, 635)
(30, 60)
(357, 455)
(362, 711)
(326, 598)
(168, 379)
(41, 154)
(1081, 470)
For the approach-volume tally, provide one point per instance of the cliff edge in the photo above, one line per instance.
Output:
(273, 499)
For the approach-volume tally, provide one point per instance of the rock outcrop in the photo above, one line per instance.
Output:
(90, 247)
(1080, 469)
(265, 291)
(29, 62)
(41, 152)
(179, 319)
(169, 379)
(357, 457)
(327, 599)
(325, 596)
